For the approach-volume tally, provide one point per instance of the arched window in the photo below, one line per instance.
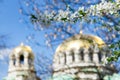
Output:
(91, 56)
(82, 55)
(14, 61)
(65, 58)
(73, 56)
(100, 56)
(21, 59)
(30, 61)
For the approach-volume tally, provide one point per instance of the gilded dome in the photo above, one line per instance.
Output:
(22, 48)
(80, 41)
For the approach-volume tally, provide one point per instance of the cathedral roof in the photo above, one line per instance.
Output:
(22, 48)
(80, 41)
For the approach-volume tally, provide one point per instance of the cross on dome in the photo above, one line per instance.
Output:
(22, 44)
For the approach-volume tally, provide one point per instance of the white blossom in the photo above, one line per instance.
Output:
(105, 7)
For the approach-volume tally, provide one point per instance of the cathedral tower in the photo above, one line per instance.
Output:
(21, 64)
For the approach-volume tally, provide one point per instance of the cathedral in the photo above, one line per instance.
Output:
(80, 57)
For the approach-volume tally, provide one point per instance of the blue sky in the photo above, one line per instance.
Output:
(16, 32)
(9, 22)
(10, 25)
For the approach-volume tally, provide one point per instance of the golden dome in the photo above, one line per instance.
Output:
(80, 41)
(23, 47)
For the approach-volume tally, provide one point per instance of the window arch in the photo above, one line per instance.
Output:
(21, 59)
(82, 55)
(13, 59)
(30, 60)
(73, 56)
(91, 55)
(100, 56)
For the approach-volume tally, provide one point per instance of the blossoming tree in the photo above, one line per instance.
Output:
(59, 19)
(101, 15)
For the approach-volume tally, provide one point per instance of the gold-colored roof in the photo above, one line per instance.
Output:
(23, 47)
(80, 41)
(20, 50)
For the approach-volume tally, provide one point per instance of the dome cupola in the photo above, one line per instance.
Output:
(21, 58)
(80, 41)
(82, 56)
(21, 64)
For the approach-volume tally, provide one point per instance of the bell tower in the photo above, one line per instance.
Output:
(21, 64)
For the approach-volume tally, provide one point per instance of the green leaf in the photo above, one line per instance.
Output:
(111, 0)
(82, 13)
(116, 53)
(64, 19)
(116, 28)
(112, 46)
(33, 16)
